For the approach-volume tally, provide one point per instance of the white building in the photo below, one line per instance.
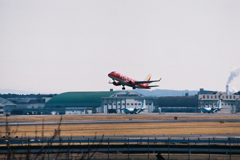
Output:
(125, 99)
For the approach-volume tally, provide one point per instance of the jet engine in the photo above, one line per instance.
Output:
(116, 83)
(132, 83)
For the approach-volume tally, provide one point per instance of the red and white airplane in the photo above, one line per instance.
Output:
(120, 79)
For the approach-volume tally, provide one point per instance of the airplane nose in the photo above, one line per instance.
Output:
(111, 74)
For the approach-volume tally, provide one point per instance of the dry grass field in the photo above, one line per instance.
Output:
(54, 118)
(131, 129)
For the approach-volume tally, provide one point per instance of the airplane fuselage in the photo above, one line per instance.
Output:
(125, 80)
(133, 110)
(207, 110)
(129, 110)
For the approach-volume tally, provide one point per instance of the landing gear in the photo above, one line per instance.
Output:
(123, 88)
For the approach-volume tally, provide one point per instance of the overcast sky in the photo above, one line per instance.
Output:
(58, 46)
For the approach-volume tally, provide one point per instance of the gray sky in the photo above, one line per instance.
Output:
(58, 46)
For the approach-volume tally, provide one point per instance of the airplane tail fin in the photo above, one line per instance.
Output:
(148, 79)
(219, 104)
(143, 104)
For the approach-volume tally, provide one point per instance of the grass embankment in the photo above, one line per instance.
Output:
(131, 129)
(54, 118)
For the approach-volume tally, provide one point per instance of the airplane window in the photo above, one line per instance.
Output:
(132, 104)
(127, 103)
(139, 104)
(113, 72)
(135, 103)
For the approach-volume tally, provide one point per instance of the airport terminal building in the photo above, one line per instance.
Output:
(126, 99)
(208, 99)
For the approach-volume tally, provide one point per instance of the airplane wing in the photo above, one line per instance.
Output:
(141, 82)
(154, 86)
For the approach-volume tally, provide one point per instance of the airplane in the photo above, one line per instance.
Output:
(126, 81)
(213, 109)
(135, 110)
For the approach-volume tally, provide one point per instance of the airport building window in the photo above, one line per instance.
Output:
(203, 97)
(230, 97)
(233, 97)
(211, 97)
(226, 97)
(119, 104)
(123, 103)
(215, 97)
(207, 96)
